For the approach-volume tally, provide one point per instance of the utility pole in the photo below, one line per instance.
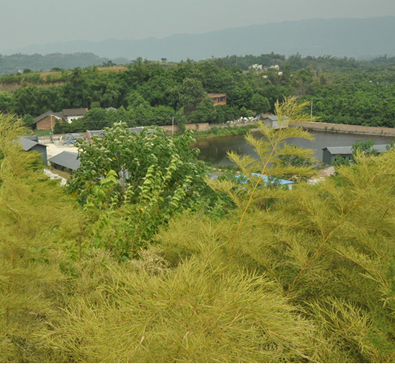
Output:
(172, 126)
(311, 111)
(51, 133)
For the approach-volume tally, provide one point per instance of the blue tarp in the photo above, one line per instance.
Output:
(266, 179)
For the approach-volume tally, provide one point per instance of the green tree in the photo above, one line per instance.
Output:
(24, 101)
(130, 155)
(259, 104)
(95, 119)
(135, 99)
(365, 148)
(191, 93)
(205, 112)
(180, 119)
(28, 120)
(133, 183)
(5, 101)
(271, 151)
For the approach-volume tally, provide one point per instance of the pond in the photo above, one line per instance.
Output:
(214, 149)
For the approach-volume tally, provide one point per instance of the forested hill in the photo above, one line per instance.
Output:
(146, 93)
(357, 38)
(36, 62)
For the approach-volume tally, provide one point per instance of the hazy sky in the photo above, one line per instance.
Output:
(27, 22)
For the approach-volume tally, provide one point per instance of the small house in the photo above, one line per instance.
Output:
(256, 67)
(65, 161)
(31, 144)
(48, 120)
(273, 122)
(219, 99)
(329, 154)
(74, 113)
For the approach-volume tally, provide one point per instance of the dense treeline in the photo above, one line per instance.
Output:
(142, 261)
(151, 93)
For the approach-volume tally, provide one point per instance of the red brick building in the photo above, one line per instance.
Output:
(47, 120)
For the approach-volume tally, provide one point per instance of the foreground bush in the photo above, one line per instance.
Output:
(197, 312)
(328, 248)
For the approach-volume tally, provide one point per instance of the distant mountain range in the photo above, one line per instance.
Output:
(358, 38)
(36, 62)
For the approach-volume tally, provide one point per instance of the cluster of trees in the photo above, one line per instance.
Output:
(148, 92)
(297, 62)
(140, 260)
(340, 90)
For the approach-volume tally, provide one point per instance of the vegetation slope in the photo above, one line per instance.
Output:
(246, 272)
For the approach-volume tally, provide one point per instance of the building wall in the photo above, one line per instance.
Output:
(219, 100)
(42, 150)
(71, 118)
(193, 126)
(271, 123)
(45, 124)
(170, 129)
(60, 168)
(327, 157)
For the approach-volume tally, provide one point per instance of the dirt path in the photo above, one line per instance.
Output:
(54, 149)
(54, 176)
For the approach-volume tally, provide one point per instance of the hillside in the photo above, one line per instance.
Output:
(342, 91)
(358, 38)
(36, 62)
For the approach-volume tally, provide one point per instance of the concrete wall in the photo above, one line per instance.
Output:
(192, 126)
(169, 129)
(198, 126)
(346, 129)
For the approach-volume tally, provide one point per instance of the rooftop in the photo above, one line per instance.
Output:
(28, 144)
(75, 111)
(348, 149)
(67, 159)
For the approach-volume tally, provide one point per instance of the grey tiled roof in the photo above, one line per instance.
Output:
(67, 159)
(348, 149)
(49, 113)
(62, 114)
(75, 112)
(28, 144)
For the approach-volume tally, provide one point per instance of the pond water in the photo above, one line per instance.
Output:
(214, 150)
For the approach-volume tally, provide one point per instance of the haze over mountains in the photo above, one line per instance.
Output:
(358, 38)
